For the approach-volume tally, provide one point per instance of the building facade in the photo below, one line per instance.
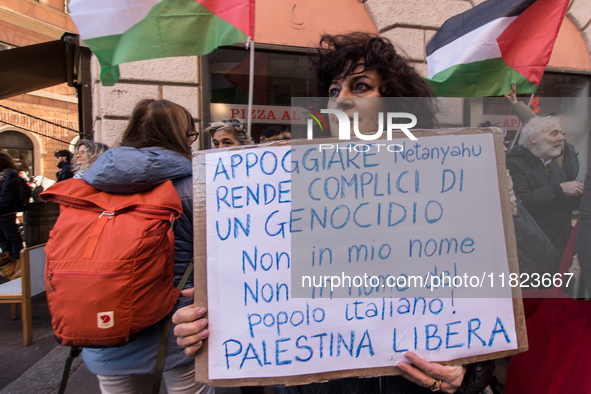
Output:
(214, 87)
(34, 125)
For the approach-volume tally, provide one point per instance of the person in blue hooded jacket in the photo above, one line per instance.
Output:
(155, 147)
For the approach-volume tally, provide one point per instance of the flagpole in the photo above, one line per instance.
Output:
(521, 124)
(250, 86)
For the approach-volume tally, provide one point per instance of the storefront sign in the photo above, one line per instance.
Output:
(259, 114)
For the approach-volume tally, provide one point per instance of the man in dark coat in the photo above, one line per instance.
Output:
(569, 160)
(63, 158)
(10, 240)
(539, 183)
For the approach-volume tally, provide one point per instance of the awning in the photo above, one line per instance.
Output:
(38, 66)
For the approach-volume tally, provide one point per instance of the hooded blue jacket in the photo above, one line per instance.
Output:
(130, 170)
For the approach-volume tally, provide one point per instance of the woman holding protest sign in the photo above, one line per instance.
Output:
(358, 71)
(363, 66)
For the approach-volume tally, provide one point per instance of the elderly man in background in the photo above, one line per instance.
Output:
(568, 160)
(541, 184)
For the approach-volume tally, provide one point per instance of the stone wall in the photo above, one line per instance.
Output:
(175, 79)
(580, 13)
(408, 24)
(411, 24)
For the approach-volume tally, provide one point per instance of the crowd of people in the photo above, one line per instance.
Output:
(13, 188)
(359, 65)
(156, 147)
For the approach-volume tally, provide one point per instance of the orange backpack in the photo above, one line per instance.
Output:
(110, 262)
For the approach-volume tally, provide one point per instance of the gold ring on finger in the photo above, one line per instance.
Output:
(436, 385)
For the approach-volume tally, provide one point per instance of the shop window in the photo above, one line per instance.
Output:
(278, 77)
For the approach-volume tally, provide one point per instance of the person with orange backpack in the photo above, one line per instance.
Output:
(155, 148)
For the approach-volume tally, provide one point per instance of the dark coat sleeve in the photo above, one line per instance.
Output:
(478, 377)
(183, 235)
(584, 234)
(10, 193)
(571, 162)
(533, 198)
(65, 173)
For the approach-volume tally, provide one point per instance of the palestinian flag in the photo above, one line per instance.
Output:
(121, 31)
(482, 51)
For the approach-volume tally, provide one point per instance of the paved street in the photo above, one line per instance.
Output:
(38, 367)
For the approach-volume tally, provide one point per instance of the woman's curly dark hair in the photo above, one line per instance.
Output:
(338, 55)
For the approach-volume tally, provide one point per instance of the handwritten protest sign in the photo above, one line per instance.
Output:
(275, 222)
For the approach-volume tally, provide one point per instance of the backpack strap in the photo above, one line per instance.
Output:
(96, 234)
(164, 338)
(74, 352)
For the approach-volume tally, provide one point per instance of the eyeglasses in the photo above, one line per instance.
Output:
(193, 136)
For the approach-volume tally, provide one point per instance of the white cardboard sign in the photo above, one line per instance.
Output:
(253, 199)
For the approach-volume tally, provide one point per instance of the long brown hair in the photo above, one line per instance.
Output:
(6, 162)
(159, 123)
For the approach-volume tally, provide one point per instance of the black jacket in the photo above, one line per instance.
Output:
(538, 187)
(570, 165)
(478, 376)
(65, 171)
(10, 192)
(584, 235)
